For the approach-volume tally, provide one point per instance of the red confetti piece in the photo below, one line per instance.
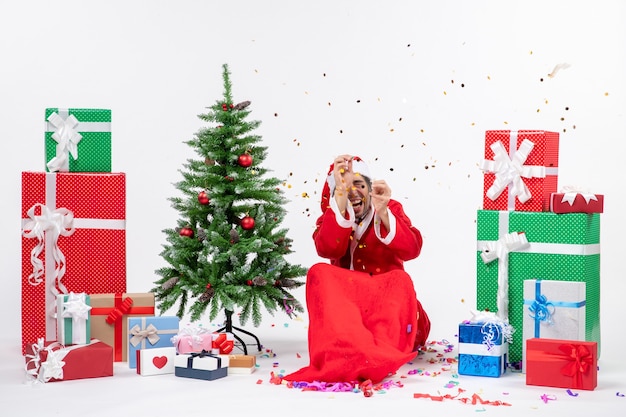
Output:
(474, 399)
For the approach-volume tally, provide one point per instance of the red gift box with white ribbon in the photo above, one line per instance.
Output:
(575, 200)
(52, 361)
(521, 169)
(73, 239)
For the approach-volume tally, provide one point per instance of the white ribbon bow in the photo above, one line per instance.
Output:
(49, 224)
(570, 193)
(149, 333)
(53, 365)
(490, 322)
(500, 250)
(510, 171)
(67, 137)
(77, 308)
(195, 333)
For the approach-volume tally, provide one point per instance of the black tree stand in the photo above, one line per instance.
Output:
(228, 327)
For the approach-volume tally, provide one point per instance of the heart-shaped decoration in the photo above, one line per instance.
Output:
(159, 361)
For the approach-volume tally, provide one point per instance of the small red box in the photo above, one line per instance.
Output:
(94, 360)
(562, 203)
(73, 240)
(513, 178)
(562, 363)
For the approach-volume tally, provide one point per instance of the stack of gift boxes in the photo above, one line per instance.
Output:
(77, 319)
(538, 267)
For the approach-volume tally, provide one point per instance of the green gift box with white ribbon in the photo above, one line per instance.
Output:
(78, 140)
(558, 247)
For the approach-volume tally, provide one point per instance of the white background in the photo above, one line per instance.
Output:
(410, 86)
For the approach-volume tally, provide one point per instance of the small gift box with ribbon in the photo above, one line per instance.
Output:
(202, 365)
(562, 363)
(78, 140)
(554, 310)
(109, 318)
(52, 361)
(149, 333)
(483, 345)
(576, 200)
(193, 339)
(560, 248)
(521, 169)
(241, 364)
(223, 343)
(73, 239)
(157, 361)
(73, 319)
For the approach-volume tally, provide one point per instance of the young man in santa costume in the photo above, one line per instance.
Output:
(365, 319)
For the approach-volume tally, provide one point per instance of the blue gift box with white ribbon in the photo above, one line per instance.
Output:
(553, 310)
(483, 349)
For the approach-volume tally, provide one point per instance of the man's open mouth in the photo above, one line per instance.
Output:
(356, 203)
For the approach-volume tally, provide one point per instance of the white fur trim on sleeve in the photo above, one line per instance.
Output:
(392, 228)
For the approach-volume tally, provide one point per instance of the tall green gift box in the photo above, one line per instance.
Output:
(562, 247)
(78, 140)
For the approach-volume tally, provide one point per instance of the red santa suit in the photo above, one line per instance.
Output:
(365, 319)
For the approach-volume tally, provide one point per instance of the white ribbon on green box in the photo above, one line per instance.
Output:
(74, 138)
(73, 319)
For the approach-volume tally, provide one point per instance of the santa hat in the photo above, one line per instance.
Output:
(358, 167)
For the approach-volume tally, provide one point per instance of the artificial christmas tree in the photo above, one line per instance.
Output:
(228, 251)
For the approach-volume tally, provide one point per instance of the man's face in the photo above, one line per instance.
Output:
(359, 196)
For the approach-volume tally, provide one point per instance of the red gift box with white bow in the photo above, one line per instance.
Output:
(571, 200)
(521, 169)
(52, 361)
(73, 239)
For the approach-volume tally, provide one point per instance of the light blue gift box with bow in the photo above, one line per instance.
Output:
(553, 310)
(149, 333)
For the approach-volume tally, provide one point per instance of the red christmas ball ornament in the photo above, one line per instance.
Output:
(249, 282)
(245, 160)
(208, 286)
(203, 198)
(224, 107)
(247, 223)
(186, 232)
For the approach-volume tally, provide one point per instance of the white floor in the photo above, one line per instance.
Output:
(285, 350)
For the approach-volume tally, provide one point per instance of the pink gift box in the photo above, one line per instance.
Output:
(193, 340)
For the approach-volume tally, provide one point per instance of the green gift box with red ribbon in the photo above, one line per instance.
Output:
(109, 318)
(560, 247)
(562, 363)
(78, 140)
